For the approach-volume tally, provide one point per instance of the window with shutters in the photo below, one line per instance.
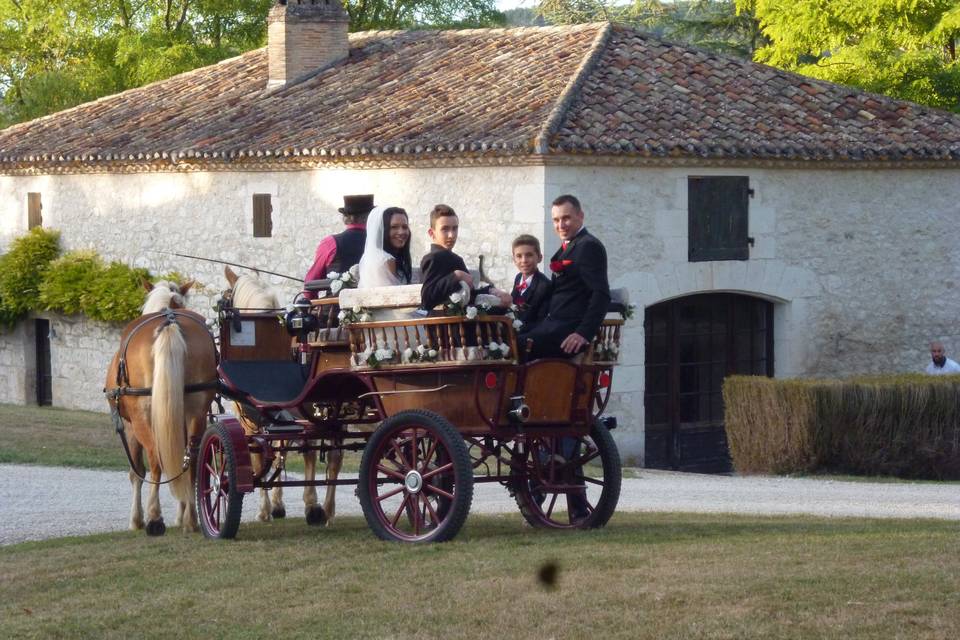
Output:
(262, 216)
(717, 212)
(34, 207)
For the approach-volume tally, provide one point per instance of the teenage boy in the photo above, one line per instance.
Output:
(441, 269)
(531, 289)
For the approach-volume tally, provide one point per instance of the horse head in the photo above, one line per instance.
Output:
(249, 292)
(165, 295)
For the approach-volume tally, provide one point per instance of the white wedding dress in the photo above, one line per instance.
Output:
(374, 271)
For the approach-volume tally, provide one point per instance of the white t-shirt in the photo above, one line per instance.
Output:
(948, 367)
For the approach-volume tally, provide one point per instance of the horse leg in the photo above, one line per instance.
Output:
(334, 463)
(314, 512)
(155, 525)
(137, 471)
(279, 509)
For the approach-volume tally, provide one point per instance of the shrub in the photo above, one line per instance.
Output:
(22, 272)
(116, 295)
(907, 425)
(68, 279)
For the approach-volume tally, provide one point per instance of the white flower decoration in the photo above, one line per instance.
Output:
(456, 297)
(432, 353)
(336, 285)
(471, 313)
(504, 350)
(493, 346)
(355, 271)
(341, 315)
(517, 324)
(357, 309)
(407, 354)
(345, 277)
(333, 275)
(366, 317)
(421, 349)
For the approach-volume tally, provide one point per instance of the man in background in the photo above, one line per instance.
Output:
(940, 364)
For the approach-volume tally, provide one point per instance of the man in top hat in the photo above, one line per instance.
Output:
(341, 251)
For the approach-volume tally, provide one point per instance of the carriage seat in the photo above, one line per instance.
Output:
(275, 382)
(385, 303)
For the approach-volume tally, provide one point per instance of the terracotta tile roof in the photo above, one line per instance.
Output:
(586, 89)
(647, 97)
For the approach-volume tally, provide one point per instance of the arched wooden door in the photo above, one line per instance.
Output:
(692, 343)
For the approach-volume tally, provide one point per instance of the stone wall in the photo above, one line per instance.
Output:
(861, 265)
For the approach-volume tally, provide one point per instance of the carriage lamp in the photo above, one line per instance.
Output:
(490, 380)
(610, 422)
(603, 380)
(519, 410)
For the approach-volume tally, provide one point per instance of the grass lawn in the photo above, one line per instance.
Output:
(71, 438)
(644, 576)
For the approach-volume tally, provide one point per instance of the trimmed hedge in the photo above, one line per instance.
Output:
(903, 425)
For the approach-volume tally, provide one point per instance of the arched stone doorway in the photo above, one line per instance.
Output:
(692, 343)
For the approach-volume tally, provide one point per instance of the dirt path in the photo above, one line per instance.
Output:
(47, 502)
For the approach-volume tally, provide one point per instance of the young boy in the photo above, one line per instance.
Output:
(441, 269)
(531, 289)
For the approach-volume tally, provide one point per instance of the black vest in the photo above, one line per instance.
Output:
(349, 249)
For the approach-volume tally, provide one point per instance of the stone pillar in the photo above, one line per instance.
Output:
(304, 36)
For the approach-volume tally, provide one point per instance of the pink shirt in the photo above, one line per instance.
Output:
(326, 252)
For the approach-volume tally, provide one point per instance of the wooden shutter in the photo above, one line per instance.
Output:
(262, 215)
(717, 208)
(34, 207)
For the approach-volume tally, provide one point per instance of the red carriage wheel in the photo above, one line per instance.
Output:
(416, 480)
(569, 482)
(218, 502)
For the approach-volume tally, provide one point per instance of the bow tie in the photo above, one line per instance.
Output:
(523, 286)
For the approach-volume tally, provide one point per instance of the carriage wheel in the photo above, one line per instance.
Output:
(416, 480)
(569, 482)
(218, 502)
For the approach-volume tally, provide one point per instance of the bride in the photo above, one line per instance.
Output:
(386, 256)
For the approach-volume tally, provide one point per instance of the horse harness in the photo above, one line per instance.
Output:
(123, 388)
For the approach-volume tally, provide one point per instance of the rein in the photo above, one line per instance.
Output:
(123, 388)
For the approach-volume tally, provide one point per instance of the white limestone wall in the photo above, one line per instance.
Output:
(862, 265)
(127, 217)
(17, 369)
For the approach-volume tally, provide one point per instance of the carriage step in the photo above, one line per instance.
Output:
(284, 428)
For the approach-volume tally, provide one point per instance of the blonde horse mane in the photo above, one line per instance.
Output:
(164, 295)
(251, 293)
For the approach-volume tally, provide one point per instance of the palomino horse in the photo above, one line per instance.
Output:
(251, 293)
(161, 383)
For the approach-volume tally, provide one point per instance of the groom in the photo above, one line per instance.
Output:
(581, 292)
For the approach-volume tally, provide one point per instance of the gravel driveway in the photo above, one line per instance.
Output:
(47, 502)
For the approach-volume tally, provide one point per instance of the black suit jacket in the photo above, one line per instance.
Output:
(534, 302)
(581, 290)
(436, 272)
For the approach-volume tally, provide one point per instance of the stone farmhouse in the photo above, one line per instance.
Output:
(763, 222)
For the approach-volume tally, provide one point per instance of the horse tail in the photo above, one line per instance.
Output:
(167, 406)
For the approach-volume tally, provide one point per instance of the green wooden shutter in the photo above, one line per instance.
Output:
(717, 212)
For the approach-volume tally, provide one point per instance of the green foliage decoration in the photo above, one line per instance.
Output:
(22, 271)
(116, 295)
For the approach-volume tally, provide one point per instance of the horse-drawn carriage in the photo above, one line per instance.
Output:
(434, 403)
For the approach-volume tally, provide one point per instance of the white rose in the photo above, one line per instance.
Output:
(510, 315)
(345, 277)
(407, 354)
(493, 346)
(355, 271)
(504, 350)
(517, 324)
(456, 297)
(357, 309)
(432, 353)
(342, 315)
(366, 317)
(333, 275)
(471, 313)
(421, 349)
(336, 285)
(383, 354)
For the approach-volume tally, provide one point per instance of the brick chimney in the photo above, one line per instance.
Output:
(303, 36)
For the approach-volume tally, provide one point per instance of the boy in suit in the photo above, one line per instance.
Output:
(531, 289)
(441, 269)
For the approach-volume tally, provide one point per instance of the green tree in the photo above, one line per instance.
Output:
(901, 48)
(56, 54)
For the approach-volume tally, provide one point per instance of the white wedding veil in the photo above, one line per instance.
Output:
(373, 265)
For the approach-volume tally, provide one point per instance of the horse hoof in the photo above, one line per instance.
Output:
(156, 528)
(316, 515)
(279, 513)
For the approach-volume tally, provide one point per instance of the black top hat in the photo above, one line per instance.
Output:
(357, 205)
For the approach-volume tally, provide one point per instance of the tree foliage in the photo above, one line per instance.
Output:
(901, 48)
(56, 54)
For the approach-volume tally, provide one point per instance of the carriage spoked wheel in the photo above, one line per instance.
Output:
(218, 502)
(416, 479)
(569, 482)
